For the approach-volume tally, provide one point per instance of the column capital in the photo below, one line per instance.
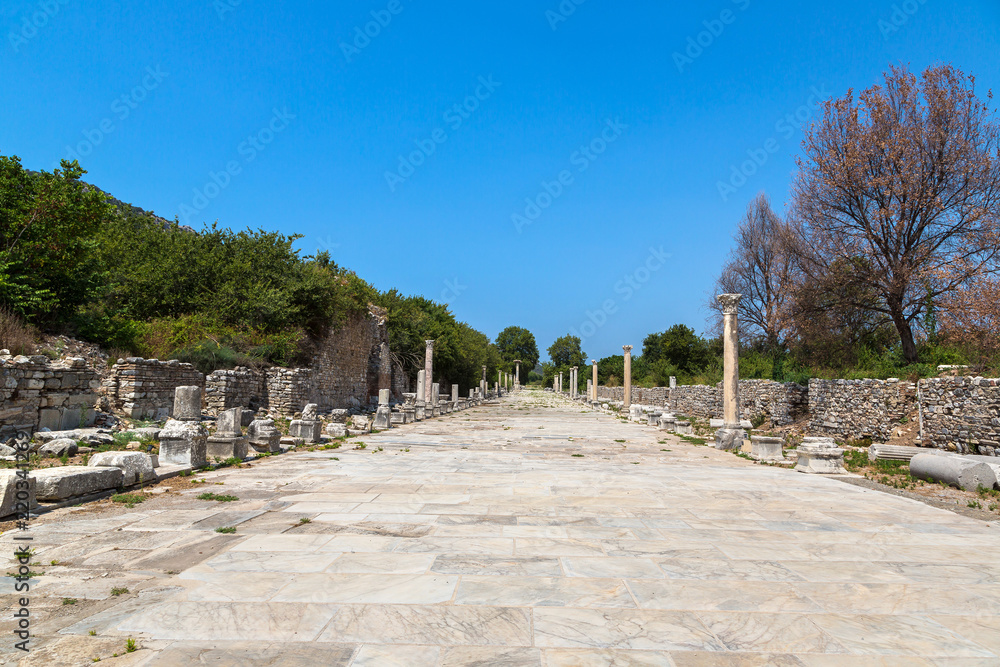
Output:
(627, 348)
(593, 362)
(729, 303)
(430, 343)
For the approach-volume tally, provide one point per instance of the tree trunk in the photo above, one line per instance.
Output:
(905, 331)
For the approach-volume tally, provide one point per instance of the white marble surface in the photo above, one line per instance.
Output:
(488, 543)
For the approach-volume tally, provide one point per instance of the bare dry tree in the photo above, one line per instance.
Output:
(903, 184)
(759, 267)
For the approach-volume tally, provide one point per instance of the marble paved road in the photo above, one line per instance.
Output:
(524, 534)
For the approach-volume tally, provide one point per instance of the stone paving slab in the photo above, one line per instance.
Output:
(534, 532)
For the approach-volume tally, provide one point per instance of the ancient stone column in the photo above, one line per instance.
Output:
(420, 406)
(594, 396)
(730, 436)
(628, 376)
(428, 370)
(383, 416)
(517, 372)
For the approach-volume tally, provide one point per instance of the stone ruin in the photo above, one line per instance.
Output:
(184, 440)
(309, 427)
(228, 440)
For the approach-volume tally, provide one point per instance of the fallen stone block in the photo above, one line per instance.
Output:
(48, 436)
(955, 471)
(61, 447)
(54, 484)
(184, 444)
(264, 437)
(223, 447)
(136, 467)
(765, 448)
(881, 452)
(820, 456)
(336, 430)
(309, 430)
(15, 497)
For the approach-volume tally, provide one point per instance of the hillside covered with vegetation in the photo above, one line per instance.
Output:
(75, 261)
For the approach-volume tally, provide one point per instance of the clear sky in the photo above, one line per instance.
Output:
(531, 163)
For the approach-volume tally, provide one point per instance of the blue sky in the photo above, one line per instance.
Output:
(558, 166)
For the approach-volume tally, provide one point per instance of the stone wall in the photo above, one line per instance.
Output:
(961, 414)
(641, 395)
(237, 388)
(290, 389)
(144, 388)
(38, 393)
(697, 400)
(856, 409)
(781, 403)
(343, 363)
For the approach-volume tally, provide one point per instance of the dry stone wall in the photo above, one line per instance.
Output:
(697, 400)
(290, 389)
(856, 409)
(38, 393)
(144, 388)
(240, 387)
(641, 395)
(781, 403)
(961, 414)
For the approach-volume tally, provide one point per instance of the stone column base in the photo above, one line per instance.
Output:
(820, 456)
(763, 448)
(729, 438)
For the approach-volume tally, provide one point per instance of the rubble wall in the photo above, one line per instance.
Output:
(961, 414)
(144, 388)
(39, 393)
(857, 409)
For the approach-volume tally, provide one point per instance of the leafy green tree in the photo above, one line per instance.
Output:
(460, 351)
(49, 264)
(565, 352)
(680, 346)
(518, 343)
